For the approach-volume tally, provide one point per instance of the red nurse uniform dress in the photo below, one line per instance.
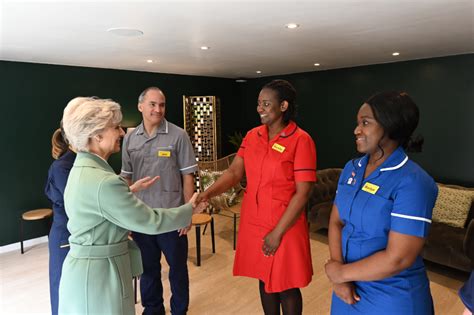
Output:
(273, 168)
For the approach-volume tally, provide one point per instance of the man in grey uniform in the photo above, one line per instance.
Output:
(158, 147)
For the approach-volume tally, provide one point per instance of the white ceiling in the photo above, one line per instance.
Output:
(244, 36)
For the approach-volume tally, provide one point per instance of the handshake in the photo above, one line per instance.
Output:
(199, 202)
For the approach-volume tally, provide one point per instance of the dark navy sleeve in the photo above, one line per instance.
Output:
(57, 178)
(60, 175)
(467, 293)
(49, 187)
(414, 199)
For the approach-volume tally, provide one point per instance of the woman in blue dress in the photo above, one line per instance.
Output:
(467, 295)
(381, 216)
(54, 190)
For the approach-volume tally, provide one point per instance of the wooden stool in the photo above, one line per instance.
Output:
(198, 220)
(33, 215)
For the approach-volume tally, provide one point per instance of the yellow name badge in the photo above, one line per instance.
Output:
(370, 188)
(164, 154)
(278, 147)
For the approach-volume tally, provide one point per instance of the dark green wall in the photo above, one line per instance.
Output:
(443, 89)
(33, 97)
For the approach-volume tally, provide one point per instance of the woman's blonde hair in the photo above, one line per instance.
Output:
(59, 145)
(85, 117)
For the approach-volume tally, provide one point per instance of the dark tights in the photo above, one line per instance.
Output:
(290, 300)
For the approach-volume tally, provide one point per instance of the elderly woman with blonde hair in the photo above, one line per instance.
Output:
(97, 273)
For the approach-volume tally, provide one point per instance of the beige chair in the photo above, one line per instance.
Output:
(221, 203)
(33, 215)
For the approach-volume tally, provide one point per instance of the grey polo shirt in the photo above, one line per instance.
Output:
(168, 153)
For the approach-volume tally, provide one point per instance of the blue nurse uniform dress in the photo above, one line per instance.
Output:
(398, 196)
(467, 293)
(58, 236)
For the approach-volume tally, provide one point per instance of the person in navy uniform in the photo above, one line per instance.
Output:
(382, 215)
(54, 190)
(466, 293)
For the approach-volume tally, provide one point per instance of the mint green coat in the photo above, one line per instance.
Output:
(97, 273)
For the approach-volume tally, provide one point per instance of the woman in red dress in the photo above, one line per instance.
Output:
(279, 161)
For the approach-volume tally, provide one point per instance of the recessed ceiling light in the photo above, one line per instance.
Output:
(317, 64)
(292, 25)
(125, 31)
(149, 61)
(395, 54)
(240, 80)
(258, 71)
(205, 47)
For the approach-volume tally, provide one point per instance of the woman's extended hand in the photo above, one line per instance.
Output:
(271, 242)
(334, 271)
(346, 292)
(143, 183)
(198, 206)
